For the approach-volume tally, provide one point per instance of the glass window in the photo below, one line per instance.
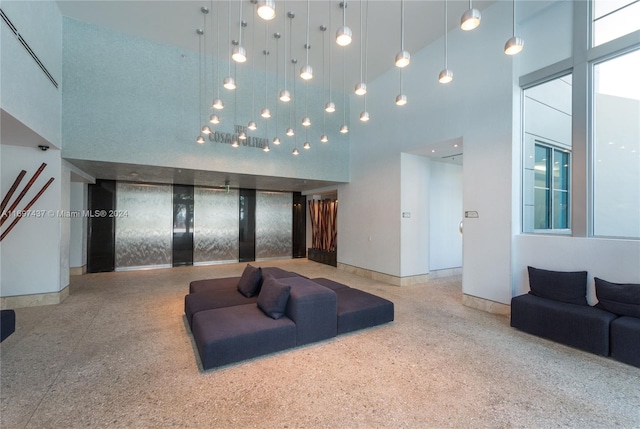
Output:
(551, 190)
(614, 18)
(616, 147)
(547, 150)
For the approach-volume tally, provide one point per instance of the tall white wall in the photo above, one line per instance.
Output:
(27, 94)
(78, 226)
(445, 214)
(414, 224)
(30, 255)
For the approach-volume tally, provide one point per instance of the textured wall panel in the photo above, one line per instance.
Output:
(273, 224)
(144, 231)
(215, 222)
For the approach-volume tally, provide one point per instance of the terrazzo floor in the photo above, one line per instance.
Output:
(117, 353)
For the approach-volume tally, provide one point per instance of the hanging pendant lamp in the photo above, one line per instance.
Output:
(344, 129)
(445, 75)
(515, 44)
(239, 54)
(229, 82)
(200, 32)
(266, 9)
(324, 138)
(285, 95)
(344, 33)
(217, 103)
(470, 18)
(403, 58)
(306, 72)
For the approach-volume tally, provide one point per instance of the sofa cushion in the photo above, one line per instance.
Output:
(273, 297)
(214, 298)
(250, 281)
(563, 286)
(625, 344)
(580, 326)
(232, 334)
(619, 298)
(197, 286)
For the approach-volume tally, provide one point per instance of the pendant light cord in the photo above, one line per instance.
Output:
(366, 50)
(277, 75)
(361, 44)
(330, 50)
(199, 78)
(217, 58)
(344, 86)
(229, 37)
(402, 25)
(514, 18)
(204, 54)
(266, 52)
(324, 115)
(446, 64)
(240, 13)
(307, 47)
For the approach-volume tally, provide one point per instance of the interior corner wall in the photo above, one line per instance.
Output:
(65, 224)
(414, 218)
(445, 215)
(476, 106)
(31, 252)
(27, 94)
(78, 225)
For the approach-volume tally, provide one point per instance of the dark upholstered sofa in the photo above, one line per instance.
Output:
(7, 323)
(556, 308)
(269, 309)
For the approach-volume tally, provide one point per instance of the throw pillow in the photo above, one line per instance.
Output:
(564, 286)
(273, 297)
(250, 281)
(619, 298)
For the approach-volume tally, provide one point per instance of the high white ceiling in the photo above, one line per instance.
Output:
(175, 23)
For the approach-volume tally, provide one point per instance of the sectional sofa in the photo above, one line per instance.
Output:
(556, 308)
(270, 309)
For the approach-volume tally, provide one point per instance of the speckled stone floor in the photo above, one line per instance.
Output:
(118, 353)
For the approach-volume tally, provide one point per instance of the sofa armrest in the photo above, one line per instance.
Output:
(313, 308)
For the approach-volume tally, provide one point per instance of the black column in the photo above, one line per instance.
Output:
(182, 225)
(299, 230)
(101, 236)
(247, 225)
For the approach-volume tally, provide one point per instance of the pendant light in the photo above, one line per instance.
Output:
(199, 32)
(206, 130)
(401, 99)
(229, 82)
(515, 44)
(330, 106)
(285, 95)
(364, 116)
(445, 75)
(344, 34)
(306, 72)
(306, 121)
(344, 129)
(239, 54)
(292, 109)
(265, 112)
(217, 103)
(361, 87)
(276, 139)
(266, 9)
(251, 125)
(470, 19)
(403, 58)
(324, 138)
(295, 139)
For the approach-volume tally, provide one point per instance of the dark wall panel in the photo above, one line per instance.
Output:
(299, 230)
(247, 225)
(182, 225)
(101, 226)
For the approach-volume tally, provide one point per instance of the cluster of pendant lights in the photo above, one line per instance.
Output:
(266, 10)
